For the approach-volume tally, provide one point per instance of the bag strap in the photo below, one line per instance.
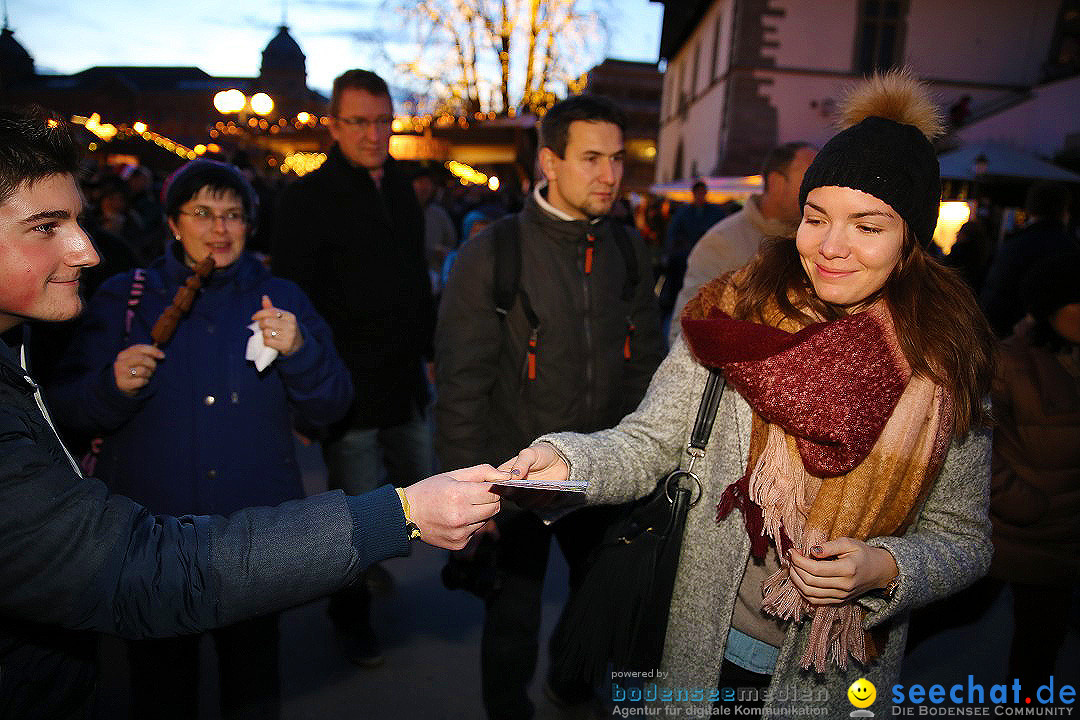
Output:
(699, 438)
(710, 401)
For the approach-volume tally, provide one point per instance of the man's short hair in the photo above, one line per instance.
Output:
(34, 144)
(698, 184)
(779, 159)
(1047, 200)
(364, 80)
(555, 127)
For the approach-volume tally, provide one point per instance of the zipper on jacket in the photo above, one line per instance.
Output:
(530, 367)
(587, 260)
(44, 412)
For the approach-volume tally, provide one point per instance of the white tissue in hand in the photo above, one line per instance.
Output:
(257, 352)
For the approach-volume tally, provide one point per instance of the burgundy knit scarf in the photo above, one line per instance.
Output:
(846, 442)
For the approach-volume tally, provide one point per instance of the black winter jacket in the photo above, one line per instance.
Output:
(73, 557)
(358, 253)
(487, 408)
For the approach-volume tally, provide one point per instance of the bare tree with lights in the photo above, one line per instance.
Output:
(501, 56)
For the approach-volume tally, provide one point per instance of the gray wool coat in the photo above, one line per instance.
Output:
(947, 547)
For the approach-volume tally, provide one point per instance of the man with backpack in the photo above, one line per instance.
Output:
(548, 322)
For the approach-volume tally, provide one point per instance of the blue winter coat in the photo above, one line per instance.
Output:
(209, 434)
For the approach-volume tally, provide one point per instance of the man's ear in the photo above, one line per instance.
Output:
(334, 127)
(547, 163)
(774, 181)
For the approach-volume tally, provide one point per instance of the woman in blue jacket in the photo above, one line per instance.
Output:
(195, 427)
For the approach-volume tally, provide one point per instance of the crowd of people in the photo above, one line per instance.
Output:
(877, 448)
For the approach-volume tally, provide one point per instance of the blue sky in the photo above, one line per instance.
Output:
(68, 35)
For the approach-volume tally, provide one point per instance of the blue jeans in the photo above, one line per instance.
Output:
(353, 465)
(353, 460)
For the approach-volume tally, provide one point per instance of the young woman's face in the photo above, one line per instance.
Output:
(849, 242)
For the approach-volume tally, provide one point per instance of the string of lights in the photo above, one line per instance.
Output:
(298, 163)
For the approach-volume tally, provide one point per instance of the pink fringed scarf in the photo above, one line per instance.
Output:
(846, 442)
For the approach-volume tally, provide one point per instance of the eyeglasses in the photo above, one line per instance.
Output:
(362, 123)
(233, 219)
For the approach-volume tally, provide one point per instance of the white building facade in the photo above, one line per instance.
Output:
(745, 75)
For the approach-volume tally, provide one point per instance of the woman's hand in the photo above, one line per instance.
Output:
(279, 328)
(845, 568)
(134, 366)
(541, 462)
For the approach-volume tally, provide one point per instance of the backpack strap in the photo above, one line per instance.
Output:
(507, 246)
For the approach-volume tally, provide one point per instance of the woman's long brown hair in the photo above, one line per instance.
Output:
(941, 330)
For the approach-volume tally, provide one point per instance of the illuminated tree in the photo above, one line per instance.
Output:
(501, 56)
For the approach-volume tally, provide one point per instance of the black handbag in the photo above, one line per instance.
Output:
(617, 618)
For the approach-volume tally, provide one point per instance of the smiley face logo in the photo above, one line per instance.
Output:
(862, 693)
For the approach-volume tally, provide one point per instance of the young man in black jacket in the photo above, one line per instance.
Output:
(574, 351)
(75, 558)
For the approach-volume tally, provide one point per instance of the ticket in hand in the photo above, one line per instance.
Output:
(572, 486)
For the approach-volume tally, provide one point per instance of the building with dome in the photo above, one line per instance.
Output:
(174, 102)
(16, 65)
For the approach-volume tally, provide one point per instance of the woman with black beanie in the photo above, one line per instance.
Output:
(846, 479)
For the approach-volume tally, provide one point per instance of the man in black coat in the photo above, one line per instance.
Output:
(351, 235)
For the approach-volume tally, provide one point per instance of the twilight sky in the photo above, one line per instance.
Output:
(66, 36)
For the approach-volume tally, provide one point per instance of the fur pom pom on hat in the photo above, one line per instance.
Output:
(884, 149)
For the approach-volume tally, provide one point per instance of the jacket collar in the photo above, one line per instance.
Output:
(557, 225)
(11, 370)
(768, 227)
(338, 165)
(539, 196)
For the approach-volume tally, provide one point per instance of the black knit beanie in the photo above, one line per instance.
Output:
(893, 161)
(190, 177)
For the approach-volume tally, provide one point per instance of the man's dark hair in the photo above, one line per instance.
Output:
(1047, 200)
(779, 159)
(555, 127)
(34, 144)
(698, 184)
(364, 80)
